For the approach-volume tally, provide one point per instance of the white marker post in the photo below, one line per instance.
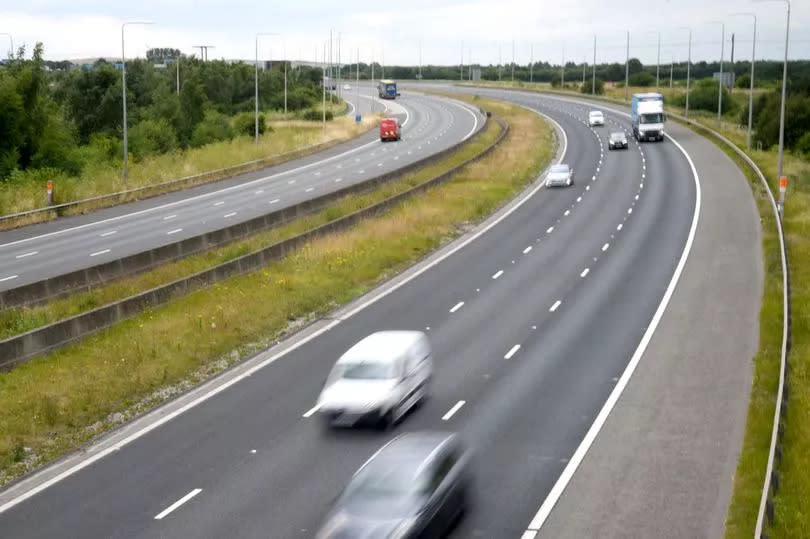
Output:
(782, 189)
(50, 193)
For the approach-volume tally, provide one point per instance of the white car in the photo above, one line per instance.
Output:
(560, 174)
(595, 117)
(378, 380)
(347, 87)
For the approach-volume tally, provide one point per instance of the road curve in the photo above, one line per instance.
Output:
(557, 295)
(38, 252)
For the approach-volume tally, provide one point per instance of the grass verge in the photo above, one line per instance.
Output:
(15, 321)
(60, 401)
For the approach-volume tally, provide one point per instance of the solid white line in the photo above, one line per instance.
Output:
(498, 274)
(309, 189)
(220, 203)
(217, 389)
(229, 215)
(178, 503)
(32, 253)
(100, 252)
(512, 351)
(605, 247)
(10, 277)
(584, 272)
(453, 410)
(274, 200)
(555, 306)
(110, 233)
(527, 249)
(175, 231)
(558, 488)
(550, 230)
(311, 411)
(169, 217)
(457, 306)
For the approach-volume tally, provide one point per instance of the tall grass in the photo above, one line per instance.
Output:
(57, 402)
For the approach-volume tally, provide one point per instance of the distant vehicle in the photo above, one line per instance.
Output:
(387, 89)
(595, 117)
(647, 116)
(417, 485)
(560, 174)
(389, 129)
(347, 87)
(329, 83)
(617, 140)
(378, 380)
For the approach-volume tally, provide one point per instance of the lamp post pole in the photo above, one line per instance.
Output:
(124, 94)
(751, 89)
(256, 88)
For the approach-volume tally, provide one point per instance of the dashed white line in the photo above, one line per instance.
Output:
(110, 233)
(527, 249)
(10, 277)
(105, 251)
(605, 247)
(168, 217)
(619, 227)
(453, 410)
(309, 189)
(549, 230)
(457, 306)
(360, 171)
(338, 180)
(512, 351)
(290, 182)
(629, 210)
(259, 192)
(178, 503)
(498, 274)
(579, 199)
(274, 200)
(175, 231)
(311, 411)
(220, 203)
(379, 164)
(585, 272)
(555, 306)
(567, 212)
(229, 215)
(25, 255)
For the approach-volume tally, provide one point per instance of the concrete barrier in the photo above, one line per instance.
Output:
(94, 276)
(21, 348)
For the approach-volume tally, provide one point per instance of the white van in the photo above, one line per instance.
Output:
(378, 380)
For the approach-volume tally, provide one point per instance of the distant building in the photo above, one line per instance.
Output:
(727, 80)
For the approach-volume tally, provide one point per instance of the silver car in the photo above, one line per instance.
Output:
(560, 175)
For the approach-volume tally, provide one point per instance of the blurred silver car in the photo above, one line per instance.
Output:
(378, 380)
(617, 140)
(560, 174)
(595, 117)
(417, 485)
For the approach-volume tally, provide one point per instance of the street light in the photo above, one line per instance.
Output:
(124, 92)
(256, 87)
(593, 80)
(751, 90)
(658, 62)
(688, 66)
(720, 85)
(562, 70)
(11, 40)
(627, 68)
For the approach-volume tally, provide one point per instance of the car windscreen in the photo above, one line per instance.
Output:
(368, 370)
(617, 136)
(559, 169)
(652, 118)
(386, 480)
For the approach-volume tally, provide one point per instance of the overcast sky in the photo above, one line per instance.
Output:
(91, 28)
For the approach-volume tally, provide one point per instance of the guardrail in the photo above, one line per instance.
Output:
(21, 348)
(91, 277)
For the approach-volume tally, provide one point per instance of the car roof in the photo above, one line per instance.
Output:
(381, 346)
(410, 449)
(562, 167)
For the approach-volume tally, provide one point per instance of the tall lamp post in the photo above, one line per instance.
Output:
(124, 93)
(721, 81)
(688, 67)
(751, 89)
(256, 88)
(627, 68)
(593, 79)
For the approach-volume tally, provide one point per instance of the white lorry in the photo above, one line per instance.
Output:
(647, 116)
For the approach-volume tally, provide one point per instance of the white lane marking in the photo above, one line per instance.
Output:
(498, 274)
(457, 306)
(338, 180)
(584, 272)
(105, 251)
(379, 164)
(587, 187)
(361, 171)
(259, 192)
(207, 392)
(168, 217)
(32, 253)
(605, 247)
(641, 186)
(512, 351)
(309, 189)
(318, 173)
(274, 200)
(579, 199)
(562, 482)
(396, 158)
(290, 182)
(555, 306)
(311, 411)
(110, 233)
(10, 277)
(636, 197)
(629, 210)
(619, 227)
(527, 249)
(175, 231)
(178, 503)
(409, 152)
(549, 230)
(567, 212)
(453, 410)
(229, 215)
(220, 203)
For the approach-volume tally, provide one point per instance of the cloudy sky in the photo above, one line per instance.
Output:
(394, 30)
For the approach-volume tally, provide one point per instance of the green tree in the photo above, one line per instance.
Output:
(214, 127)
(598, 87)
(151, 137)
(642, 78)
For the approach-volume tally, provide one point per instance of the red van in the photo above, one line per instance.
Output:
(389, 129)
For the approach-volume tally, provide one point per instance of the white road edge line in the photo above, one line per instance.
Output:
(178, 503)
(453, 410)
(457, 306)
(512, 351)
(217, 389)
(562, 482)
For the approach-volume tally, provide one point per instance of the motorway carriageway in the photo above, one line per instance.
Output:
(533, 322)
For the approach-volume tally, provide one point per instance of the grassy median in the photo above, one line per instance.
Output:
(60, 401)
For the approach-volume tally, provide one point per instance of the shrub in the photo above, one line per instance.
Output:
(556, 80)
(151, 137)
(244, 123)
(316, 115)
(704, 97)
(213, 128)
(642, 79)
(803, 146)
(598, 87)
(743, 81)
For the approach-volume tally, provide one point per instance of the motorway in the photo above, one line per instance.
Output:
(533, 321)
(31, 254)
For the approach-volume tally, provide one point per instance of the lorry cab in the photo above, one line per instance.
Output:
(389, 129)
(647, 116)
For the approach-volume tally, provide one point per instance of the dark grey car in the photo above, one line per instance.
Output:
(417, 485)
(617, 140)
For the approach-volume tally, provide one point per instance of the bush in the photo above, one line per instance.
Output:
(743, 81)
(57, 148)
(797, 118)
(642, 79)
(803, 146)
(704, 97)
(316, 115)
(213, 128)
(556, 80)
(151, 137)
(244, 123)
(598, 87)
